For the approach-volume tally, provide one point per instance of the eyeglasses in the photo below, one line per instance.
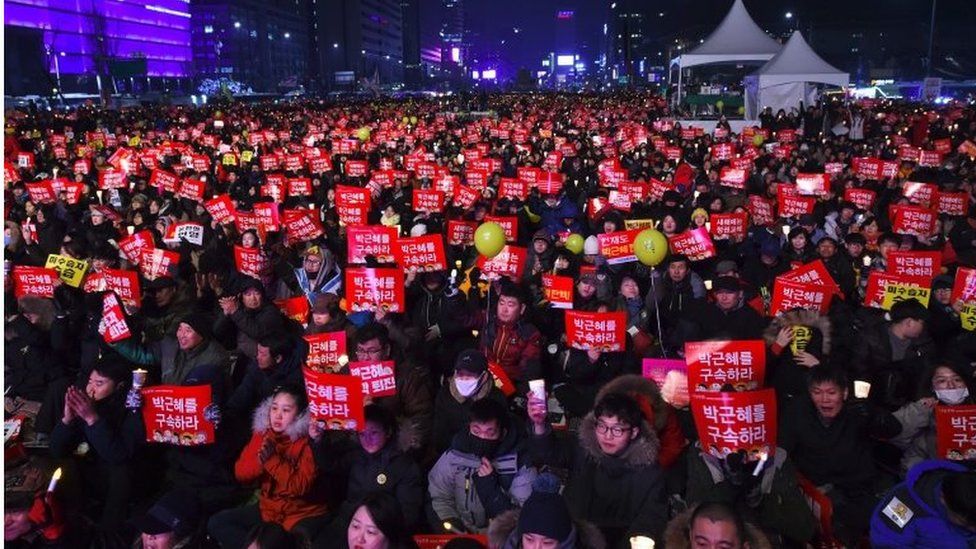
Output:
(616, 431)
(368, 351)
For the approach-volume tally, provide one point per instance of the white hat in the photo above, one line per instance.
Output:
(418, 230)
(591, 246)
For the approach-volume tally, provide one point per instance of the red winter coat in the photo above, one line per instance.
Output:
(287, 476)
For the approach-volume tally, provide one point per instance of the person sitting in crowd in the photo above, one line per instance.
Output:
(173, 522)
(510, 341)
(376, 524)
(615, 482)
(470, 383)
(483, 474)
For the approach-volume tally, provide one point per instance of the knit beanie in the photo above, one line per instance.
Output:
(201, 324)
(545, 512)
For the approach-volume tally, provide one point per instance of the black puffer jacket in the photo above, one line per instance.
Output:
(893, 382)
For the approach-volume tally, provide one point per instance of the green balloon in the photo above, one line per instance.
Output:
(489, 239)
(363, 133)
(574, 243)
(650, 247)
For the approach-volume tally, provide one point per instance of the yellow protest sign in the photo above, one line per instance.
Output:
(801, 337)
(899, 292)
(229, 159)
(631, 224)
(134, 141)
(968, 316)
(246, 156)
(71, 271)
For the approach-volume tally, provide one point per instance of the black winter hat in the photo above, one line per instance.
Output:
(472, 361)
(545, 512)
(201, 324)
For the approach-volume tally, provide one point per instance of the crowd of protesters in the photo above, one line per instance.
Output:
(603, 456)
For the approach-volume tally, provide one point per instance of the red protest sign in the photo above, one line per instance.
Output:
(356, 168)
(157, 263)
(302, 225)
(366, 240)
(352, 204)
(717, 365)
(295, 308)
(696, 244)
(379, 378)
(252, 262)
(605, 332)
(174, 414)
(634, 190)
(955, 431)
(723, 151)
(461, 233)
(34, 281)
(812, 184)
(41, 192)
(465, 197)
(428, 201)
(509, 262)
(370, 289)
(956, 204)
(913, 220)
(192, 189)
(671, 378)
(862, 198)
(618, 246)
(221, 208)
(788, 295)
(964, 286)
(133, 245)
(325, 351)
(113, 326)
(71, 189)
(299, 186)
(335, 399)
(867, 167)
(501, 379)
(513, 188)
(917, 264)
(619, 200)
(919, 193)
(125, 284)
(733, 177)
(815, 273)
(729, 422)
(111, 179)
(878, 284)
(422, 253)
(734, 225)
(164, 181)
(658, 188)
(761, 210)
(508, 223)
(795, 206)
(930, 159)
(438, 541)
(558, 291)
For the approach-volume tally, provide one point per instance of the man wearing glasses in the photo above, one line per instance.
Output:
(615, 481)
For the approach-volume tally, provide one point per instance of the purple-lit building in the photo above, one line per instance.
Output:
(89, 45)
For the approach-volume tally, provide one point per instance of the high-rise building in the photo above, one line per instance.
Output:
(96, 45)
(453, 38)
(628, 46)
(413, 75)
(260, 43)
(360, 41)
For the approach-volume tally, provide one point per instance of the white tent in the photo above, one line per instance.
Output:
(793, 75)
(736, 39)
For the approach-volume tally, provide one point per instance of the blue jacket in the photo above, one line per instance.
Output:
(912, 515)
(552, 217)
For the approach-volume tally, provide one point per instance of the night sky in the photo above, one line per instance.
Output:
(493, 20)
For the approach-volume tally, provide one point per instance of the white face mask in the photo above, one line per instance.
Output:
(467, 386)
(952, 396)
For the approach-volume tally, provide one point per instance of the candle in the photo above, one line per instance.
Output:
(708, 285)
(139, 378)
(786, 230)
(641, 542)
(343, 360)
(130, 229)
(759, 464)
(98, 193)
(867, 261)
(54, 480)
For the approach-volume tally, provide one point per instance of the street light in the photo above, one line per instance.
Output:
(789, 15)
(287, 35)
(237, 24)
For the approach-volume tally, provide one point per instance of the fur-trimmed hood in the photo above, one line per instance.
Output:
(503, 534)
(676, 533)
(41, 306)
(811, 319)
(262, 421)
(641, 452)
(635, 385)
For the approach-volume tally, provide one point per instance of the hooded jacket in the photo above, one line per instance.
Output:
(916, 503)
(287, 476)
(677, 532)
(503, 533)
(659, 415)
(458, 493)
(622, 495)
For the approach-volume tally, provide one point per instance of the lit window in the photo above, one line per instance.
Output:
(207, 29)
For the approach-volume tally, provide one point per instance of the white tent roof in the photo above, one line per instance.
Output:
(797, 62)
(737, 38)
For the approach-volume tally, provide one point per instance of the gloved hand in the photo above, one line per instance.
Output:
(133, 400)
(212, 414)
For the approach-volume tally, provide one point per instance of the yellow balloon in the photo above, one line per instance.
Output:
(413, 119)
(757, 140)
(574, 243)
(650, 247)
(720, 104)
(406, 119)
(742, 110)
(363, 133)
(489, 239)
